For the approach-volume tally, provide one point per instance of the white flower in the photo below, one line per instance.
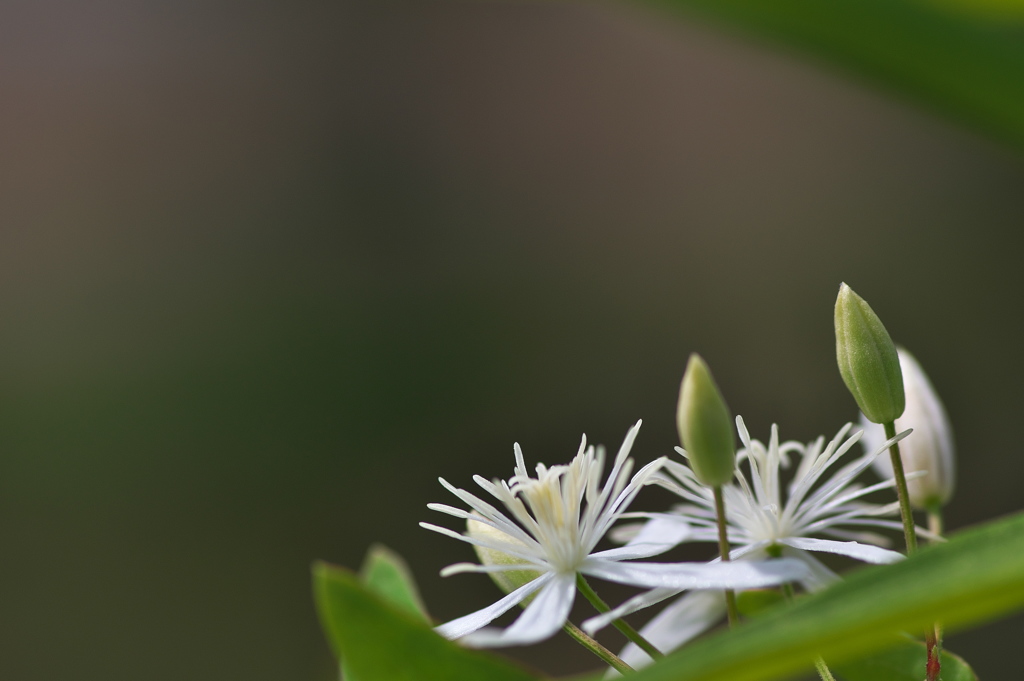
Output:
(761, 523)
(930, 449)
(555, 535)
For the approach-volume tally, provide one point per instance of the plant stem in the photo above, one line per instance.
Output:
(909, 533)
(620, 624)
(787, 592)
(935, 520)
(935, 526)
(723, 549)
(823, 670)
(610, 658)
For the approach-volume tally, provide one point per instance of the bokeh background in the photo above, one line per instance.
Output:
(267, 269)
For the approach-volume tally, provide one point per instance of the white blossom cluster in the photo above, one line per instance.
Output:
(786, 501)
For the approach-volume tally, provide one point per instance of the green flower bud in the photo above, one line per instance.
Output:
(509, 580)
(705, 425)
(867, 359)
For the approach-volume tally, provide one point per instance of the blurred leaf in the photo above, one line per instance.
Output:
(905, 662)
(962, 57)
(756, 601)
(977, 575)
(382, 642)
(387, 575)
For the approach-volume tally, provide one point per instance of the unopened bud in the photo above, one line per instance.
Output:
(705, 425)
(867, 359)
(929, 448)
(507, 580)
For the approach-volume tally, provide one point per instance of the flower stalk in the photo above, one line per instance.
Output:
(723, 548)
(932, 666)
(909, 533)
(622, 625)
(607, 656)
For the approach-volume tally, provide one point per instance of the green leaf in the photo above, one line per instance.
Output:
(384, 642)
(905, 662)
(962, 57)
(977, 575)
(386, 574)
(756, 601)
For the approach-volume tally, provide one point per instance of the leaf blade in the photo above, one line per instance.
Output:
(904, 662)
(381, 642)
(385, 573)
(977, 575)
(962, 59)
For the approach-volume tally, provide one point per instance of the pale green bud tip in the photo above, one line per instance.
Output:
(867, 358)
(507, 580)
(705, 425)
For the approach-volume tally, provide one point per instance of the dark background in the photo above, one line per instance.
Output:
(268, 269)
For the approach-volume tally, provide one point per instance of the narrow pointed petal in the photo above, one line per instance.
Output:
(467, 624)
(819, 577)
(677, 624)
(656, 537)
(544, 616)
(865, 552)
(638, 602)
(462, 568)
(737, 575)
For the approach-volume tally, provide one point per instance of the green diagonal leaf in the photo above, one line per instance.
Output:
(905, 662)
(386, 574)
(962, 57)
(382, 642)
(977, 575)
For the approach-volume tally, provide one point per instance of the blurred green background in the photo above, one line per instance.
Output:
(268, 269)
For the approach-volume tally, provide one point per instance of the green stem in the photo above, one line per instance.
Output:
(787, 591)
(909, 533)
(723, 549)
(935, 526)
(620, 624)
(823, 671)
(610, 658)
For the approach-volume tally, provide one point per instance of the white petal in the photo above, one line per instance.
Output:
(463, 568)
(542, 618)
(680, 622)
(658, 535)
(467, 624)
(738, 575)
(865, 552)
(819, 577)
(638, 602)
(516, 550)
(930, 448)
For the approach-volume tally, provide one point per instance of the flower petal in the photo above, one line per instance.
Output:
(658, 535)
(467, 624)
(516, 550)
(638, 602)
(819, 577)
(737, 575)
(677, 624)
(865, 552)
(542, 618)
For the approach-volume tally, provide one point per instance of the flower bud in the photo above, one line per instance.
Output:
(929, 448)
(507, 580)
(705, 425)
(867, 358)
